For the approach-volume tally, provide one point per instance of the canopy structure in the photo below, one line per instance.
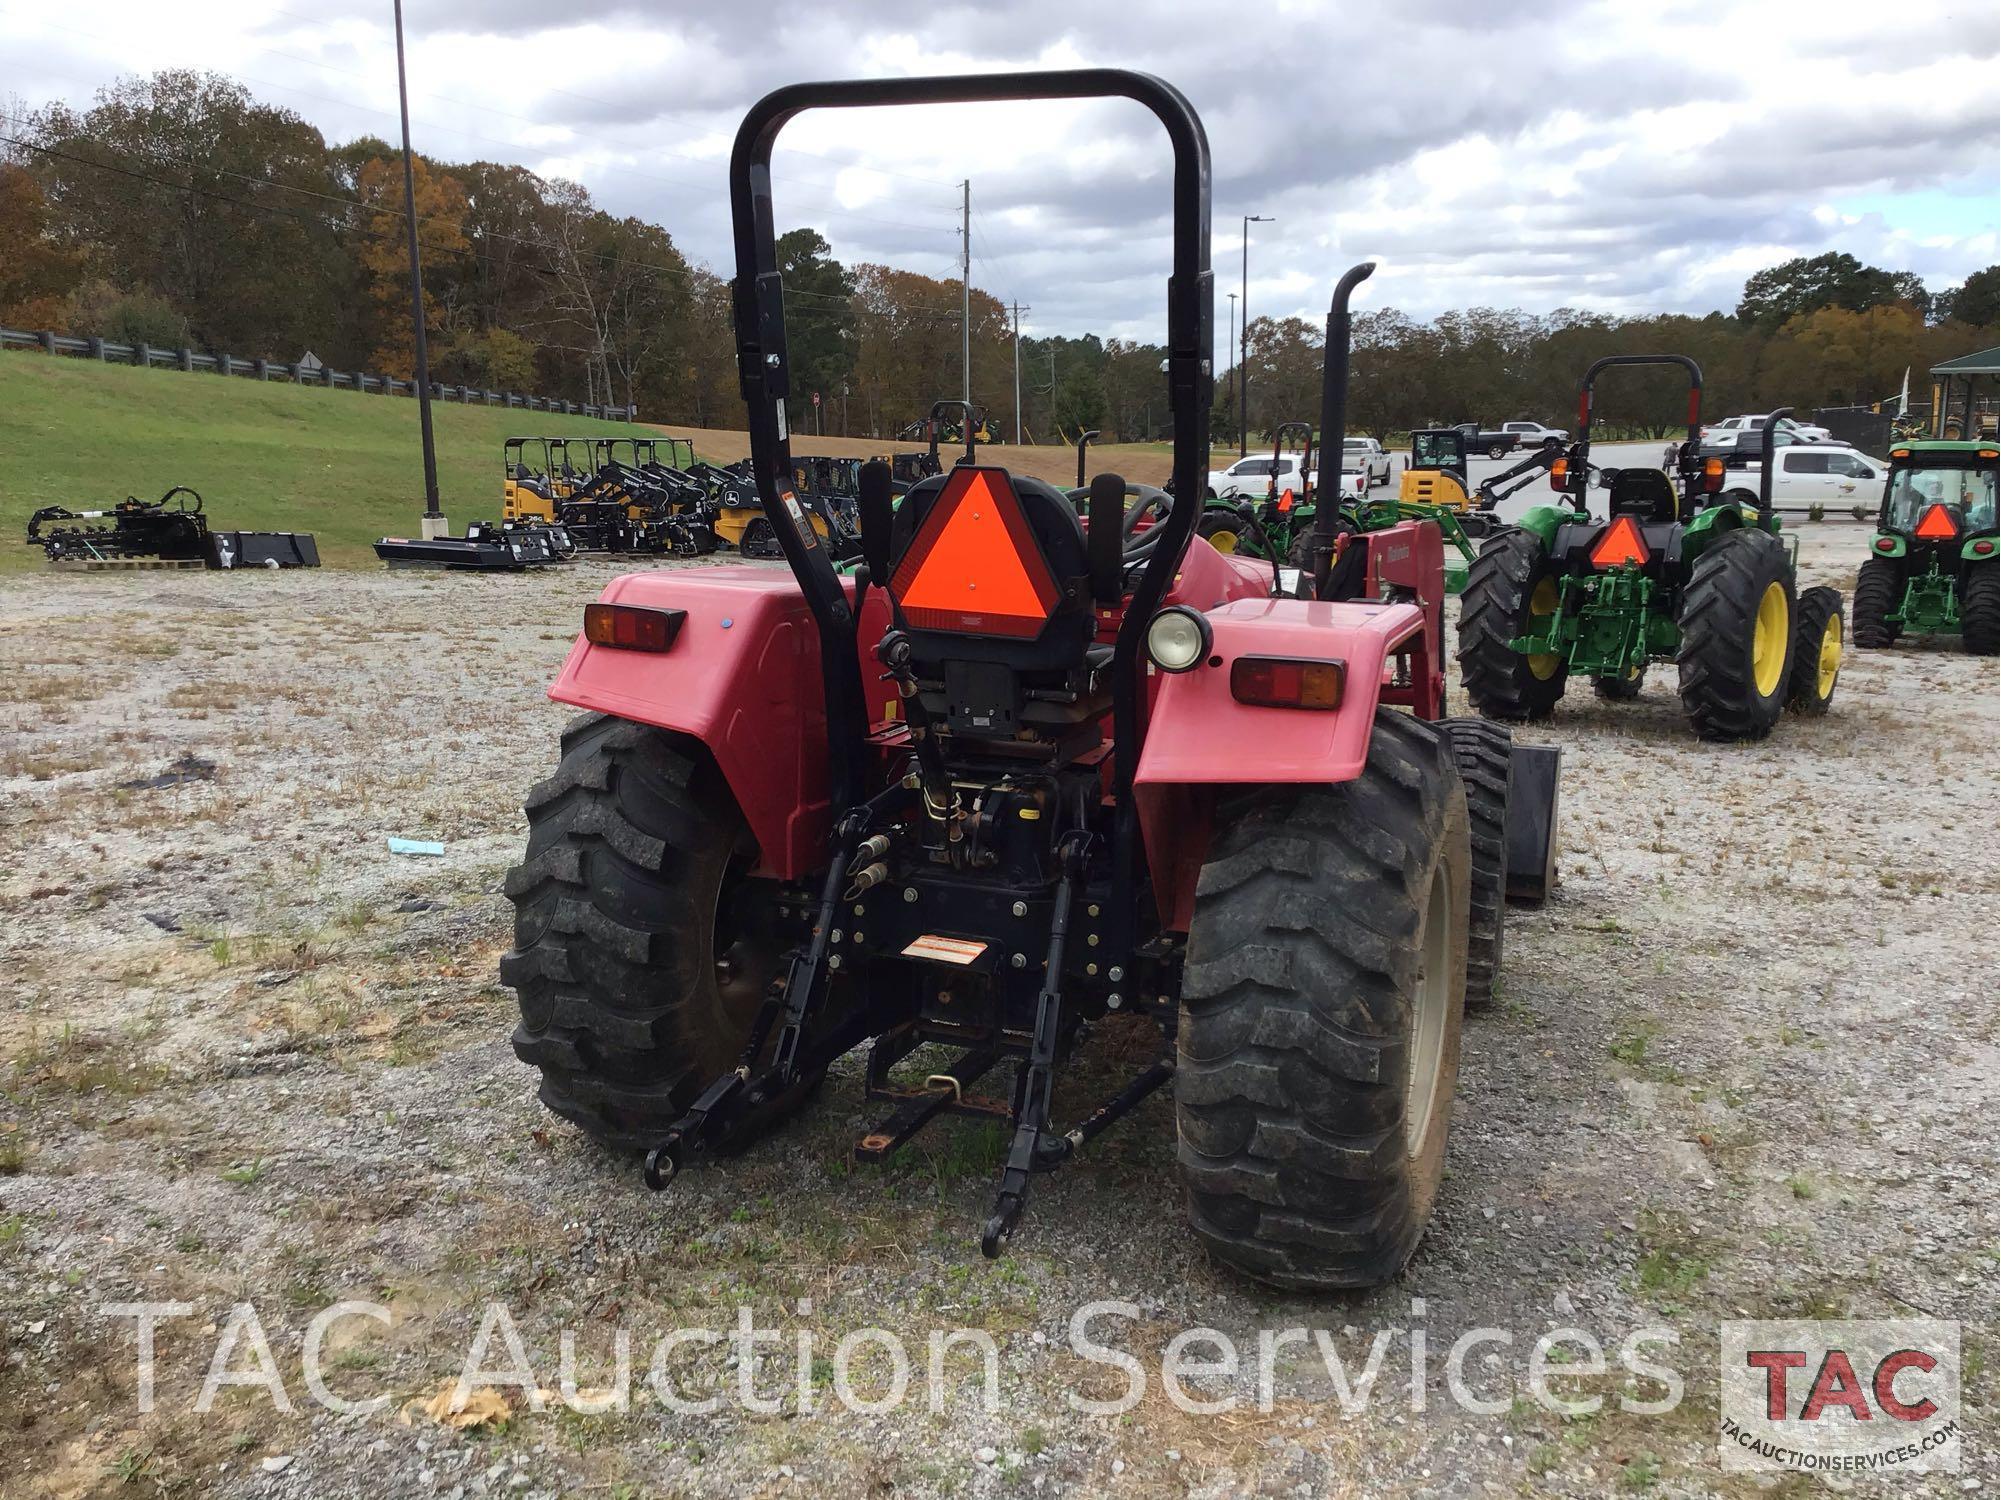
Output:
(1963, 395)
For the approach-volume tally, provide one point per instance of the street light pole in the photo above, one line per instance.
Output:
(1244, 341)
(434, 518)
(1233, 341)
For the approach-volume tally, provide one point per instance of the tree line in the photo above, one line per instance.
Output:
(179, 209)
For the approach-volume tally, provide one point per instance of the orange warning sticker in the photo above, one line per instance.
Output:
(945, 950)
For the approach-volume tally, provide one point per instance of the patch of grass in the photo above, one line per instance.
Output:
(13, 1156)
(1630, 1047)
(12, 1227)
(244, 1174)
(1803, 1186)
(1641, 1473)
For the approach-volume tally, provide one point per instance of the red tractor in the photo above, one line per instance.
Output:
(1040, 757)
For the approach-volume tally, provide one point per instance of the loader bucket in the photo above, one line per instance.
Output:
(1531, 830)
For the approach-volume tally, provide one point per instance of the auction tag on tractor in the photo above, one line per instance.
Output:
(945, 950)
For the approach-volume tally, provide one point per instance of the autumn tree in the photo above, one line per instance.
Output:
(382, 249)
(37, 274)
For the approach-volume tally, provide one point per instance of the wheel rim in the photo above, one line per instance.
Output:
(1431, 1003)
(1830, 657)
(1768, 639)
(1543, 603)
(1223, 541)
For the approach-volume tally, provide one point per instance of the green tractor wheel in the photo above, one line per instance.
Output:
(1737, 637)
(1223, 530)
(1817, 640)
(1876, 588)
(1511, 588)
(1980, 610)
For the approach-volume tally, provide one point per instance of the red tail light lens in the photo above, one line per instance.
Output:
(631, 628)
(1982, 548)
(1287, 682)
(1712, 475)
(1886, 544)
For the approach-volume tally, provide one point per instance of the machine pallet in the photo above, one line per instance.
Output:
(126, 564)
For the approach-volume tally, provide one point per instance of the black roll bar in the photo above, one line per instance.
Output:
(1768, 452)
(1084, 439)
(969, 421)
(1577, 478)
(765, 374)
(1333, 421)
(1278, 452)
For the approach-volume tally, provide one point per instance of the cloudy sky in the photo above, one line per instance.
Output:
(1600, 154)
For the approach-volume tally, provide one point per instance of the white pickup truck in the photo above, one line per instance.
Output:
(1365, 456)
(1831, 475)
(1535, 435)
(1251, 478)
(1734, 429)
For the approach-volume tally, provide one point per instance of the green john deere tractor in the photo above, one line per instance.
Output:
(1672, 574)
(1935, 565)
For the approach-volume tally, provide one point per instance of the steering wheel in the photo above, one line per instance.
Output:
(1149, 499)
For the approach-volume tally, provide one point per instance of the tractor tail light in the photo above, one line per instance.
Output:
(1936, 525)
(1621, 543)
(1287, 682)
(1712, 475)
(1559, 475)
(631, 628)
(1886, 544)
(1982, 548)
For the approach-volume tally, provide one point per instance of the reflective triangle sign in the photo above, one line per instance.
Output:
(974, 567)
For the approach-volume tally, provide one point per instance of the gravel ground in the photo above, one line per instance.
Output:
(1743, 1065)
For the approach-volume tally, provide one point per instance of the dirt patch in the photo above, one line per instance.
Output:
(1743, 1065)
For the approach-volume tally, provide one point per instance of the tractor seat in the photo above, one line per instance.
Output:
(990, 581)
(1646, 494)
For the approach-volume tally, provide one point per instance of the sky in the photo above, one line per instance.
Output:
(1605, 155)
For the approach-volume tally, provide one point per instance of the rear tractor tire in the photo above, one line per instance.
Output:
(1876, 589)
(1511, 585)
(1321, 1013)
(1817, 641)
(642, 946)
(1484, 753)
(1223, 530)
(1980, 610)
(1737, 637)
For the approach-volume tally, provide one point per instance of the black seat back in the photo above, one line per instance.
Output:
(1646, 494)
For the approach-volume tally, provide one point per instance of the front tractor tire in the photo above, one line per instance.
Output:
(1817, 641)
(1511, 588)
(1877, 586)
(1321, 1012)
(642, 947)
(1484, 753)
(1737, 637)
(1980, 610)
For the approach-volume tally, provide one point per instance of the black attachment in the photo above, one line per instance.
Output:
(1105, 519)
(878, 516)
(1084, 438)
(1333, 419)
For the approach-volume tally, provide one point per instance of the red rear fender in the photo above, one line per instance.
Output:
(743, 678)
(1199, 737)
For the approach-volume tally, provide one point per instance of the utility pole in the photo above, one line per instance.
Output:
(1018, 309)
(1244, 342)
(435, 524)
(965, 295)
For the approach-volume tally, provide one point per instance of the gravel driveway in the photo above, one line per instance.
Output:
(1744, 1065)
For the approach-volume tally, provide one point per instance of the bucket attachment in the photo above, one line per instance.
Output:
(1533, 782)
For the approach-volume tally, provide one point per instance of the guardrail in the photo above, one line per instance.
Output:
(149, 357)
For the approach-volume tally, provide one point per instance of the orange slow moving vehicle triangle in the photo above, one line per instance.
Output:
(974, 566)
(1621, 543)
(1936, 524)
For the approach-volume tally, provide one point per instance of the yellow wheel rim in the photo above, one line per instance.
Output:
(1768, 640)
(1830, 658)
(1544, 602)
(1223, 541)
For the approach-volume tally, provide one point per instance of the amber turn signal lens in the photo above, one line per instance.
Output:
(631, 628)
(1287, 682)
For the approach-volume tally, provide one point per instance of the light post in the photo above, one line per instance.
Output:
(1244, 341)
(1233, 338)
(434, 523)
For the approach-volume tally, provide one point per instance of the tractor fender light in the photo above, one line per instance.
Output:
(1287, 682)
(1990, 452)
(1900, 453)
(1177, 639)
(1712, 474)
(1559, 475)
(1885, 544)
(631, 628)
(1983, 547)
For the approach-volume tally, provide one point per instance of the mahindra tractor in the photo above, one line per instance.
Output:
(1673, 573)
(1932, 567)
(1042, 761)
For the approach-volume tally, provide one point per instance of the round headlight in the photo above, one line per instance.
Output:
(1178, 639)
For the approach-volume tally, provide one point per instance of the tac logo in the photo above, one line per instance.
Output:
(1840, 1398)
